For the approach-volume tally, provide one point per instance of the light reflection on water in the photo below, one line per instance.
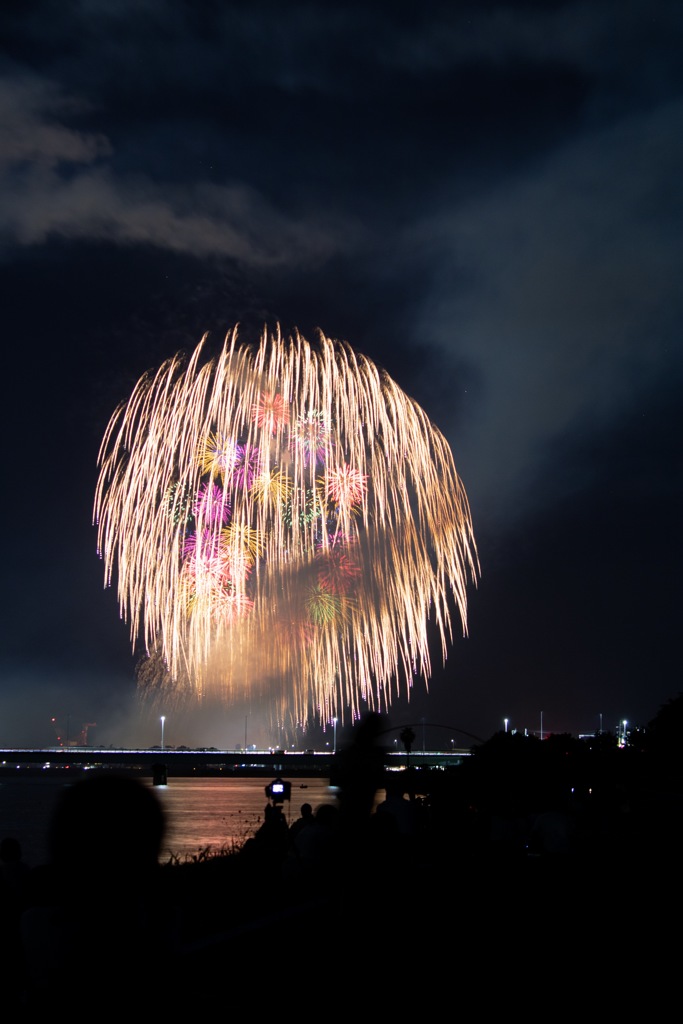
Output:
(201, 812)
(212, 814)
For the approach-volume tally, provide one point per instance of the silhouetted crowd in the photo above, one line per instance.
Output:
(528, 865)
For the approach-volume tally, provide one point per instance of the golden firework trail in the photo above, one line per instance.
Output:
(284, 523)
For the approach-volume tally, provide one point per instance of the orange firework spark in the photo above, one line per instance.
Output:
(328, 527)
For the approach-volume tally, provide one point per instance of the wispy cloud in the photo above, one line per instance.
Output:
(58, 182)
(559, 291)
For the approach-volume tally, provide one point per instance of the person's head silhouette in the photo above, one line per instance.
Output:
(107, 821)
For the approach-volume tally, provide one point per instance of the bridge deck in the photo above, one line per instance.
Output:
(236, 762)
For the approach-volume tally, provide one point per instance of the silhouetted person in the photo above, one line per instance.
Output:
(316, 851)
(359, 772)
(305, 820)
(101, 924)
(401, 814)
(270, 843)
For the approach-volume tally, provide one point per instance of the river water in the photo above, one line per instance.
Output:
(203, 815)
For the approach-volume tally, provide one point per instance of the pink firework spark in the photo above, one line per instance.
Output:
(195, 545)
(311, 436)
(338, 569)
(212, 505)
(346, 485)
(203, 577)
(270, 412)
(246, 467)
(296, 633)
(233, 605)
(238, 566)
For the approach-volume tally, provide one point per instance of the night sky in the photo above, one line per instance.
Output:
(483, 198)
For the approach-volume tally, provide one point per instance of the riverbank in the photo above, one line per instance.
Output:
(481, 887)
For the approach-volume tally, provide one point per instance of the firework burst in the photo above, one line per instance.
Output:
(284, 523)
(311, 436)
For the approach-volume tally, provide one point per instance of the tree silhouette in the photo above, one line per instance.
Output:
(408, 738)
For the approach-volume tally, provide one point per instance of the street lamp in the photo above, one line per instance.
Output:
(506, 720)
(163, 719)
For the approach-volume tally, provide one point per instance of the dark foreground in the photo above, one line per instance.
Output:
(551, 890)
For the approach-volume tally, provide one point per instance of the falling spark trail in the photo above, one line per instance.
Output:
(283, 523)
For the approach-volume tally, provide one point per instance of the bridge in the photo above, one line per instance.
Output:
(153, 760)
